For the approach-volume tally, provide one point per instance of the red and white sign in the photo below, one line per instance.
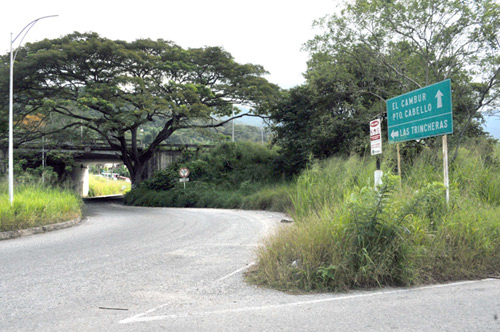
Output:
(375, 127)
(184, 172)
(375, 137)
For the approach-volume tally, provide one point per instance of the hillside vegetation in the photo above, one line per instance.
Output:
(348, 235)
(232, 175)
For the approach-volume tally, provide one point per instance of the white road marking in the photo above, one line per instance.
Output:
(140, 317)
(235, 272)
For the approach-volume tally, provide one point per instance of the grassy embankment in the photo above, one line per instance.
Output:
(347, 235)
(36, 205)
(101, 186)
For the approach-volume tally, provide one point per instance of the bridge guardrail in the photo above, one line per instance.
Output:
(96, 145)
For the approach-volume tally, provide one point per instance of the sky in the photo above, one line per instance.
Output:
(270, 33)
(492, 125)
(265, 32)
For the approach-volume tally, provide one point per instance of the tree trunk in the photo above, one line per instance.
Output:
(136, 173)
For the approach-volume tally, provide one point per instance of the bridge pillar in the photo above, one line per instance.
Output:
(3, 160)
(161, 160)
(80, 177)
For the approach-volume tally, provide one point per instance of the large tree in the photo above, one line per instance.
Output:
(114, 87)
(415, 43)
(374, 50)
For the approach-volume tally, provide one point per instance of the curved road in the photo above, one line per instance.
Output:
(159, 269)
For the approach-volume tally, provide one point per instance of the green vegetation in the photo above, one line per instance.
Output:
(373, 50)
(38, 200)
(232, 175)
(128, 85)
(101, 186)
(347, 235)
(200, 195)
(52, 166)
(37, 205)
(140, 94)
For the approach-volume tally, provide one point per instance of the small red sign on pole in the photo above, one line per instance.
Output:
(184, 172)
(375, 137)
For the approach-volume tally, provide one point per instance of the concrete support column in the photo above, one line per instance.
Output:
(3, 161)
(80, 177)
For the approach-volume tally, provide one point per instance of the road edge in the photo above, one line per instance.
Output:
(39, 230)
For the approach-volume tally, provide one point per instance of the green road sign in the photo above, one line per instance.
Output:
(421, 113)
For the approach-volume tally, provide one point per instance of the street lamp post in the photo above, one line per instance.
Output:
(23, 33)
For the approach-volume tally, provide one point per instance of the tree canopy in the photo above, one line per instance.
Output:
(374, 50)
(113, 87)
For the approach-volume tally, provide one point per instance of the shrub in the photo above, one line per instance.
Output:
(162, 180)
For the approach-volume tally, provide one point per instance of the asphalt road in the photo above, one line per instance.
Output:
(154, 269)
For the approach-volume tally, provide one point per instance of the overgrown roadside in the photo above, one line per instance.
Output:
(233, 175)
(348, 235)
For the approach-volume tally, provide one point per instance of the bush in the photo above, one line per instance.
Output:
(29, 166)
(162, 180)
(231, 164)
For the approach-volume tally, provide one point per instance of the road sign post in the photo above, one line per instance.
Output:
(422, 113)
(376, 148)
(445, 168)
(184, 173)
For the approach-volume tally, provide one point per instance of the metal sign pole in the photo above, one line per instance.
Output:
(445, 169)
(11, 126)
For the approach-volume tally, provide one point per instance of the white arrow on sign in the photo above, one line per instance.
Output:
(439, 96)
(394, 134)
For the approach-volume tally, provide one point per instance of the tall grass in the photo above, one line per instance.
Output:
(36, 205)
(348, 235)
(270, 197)
(324, 184)
(101, 186)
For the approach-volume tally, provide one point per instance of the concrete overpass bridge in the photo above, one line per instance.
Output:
(95, 152)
